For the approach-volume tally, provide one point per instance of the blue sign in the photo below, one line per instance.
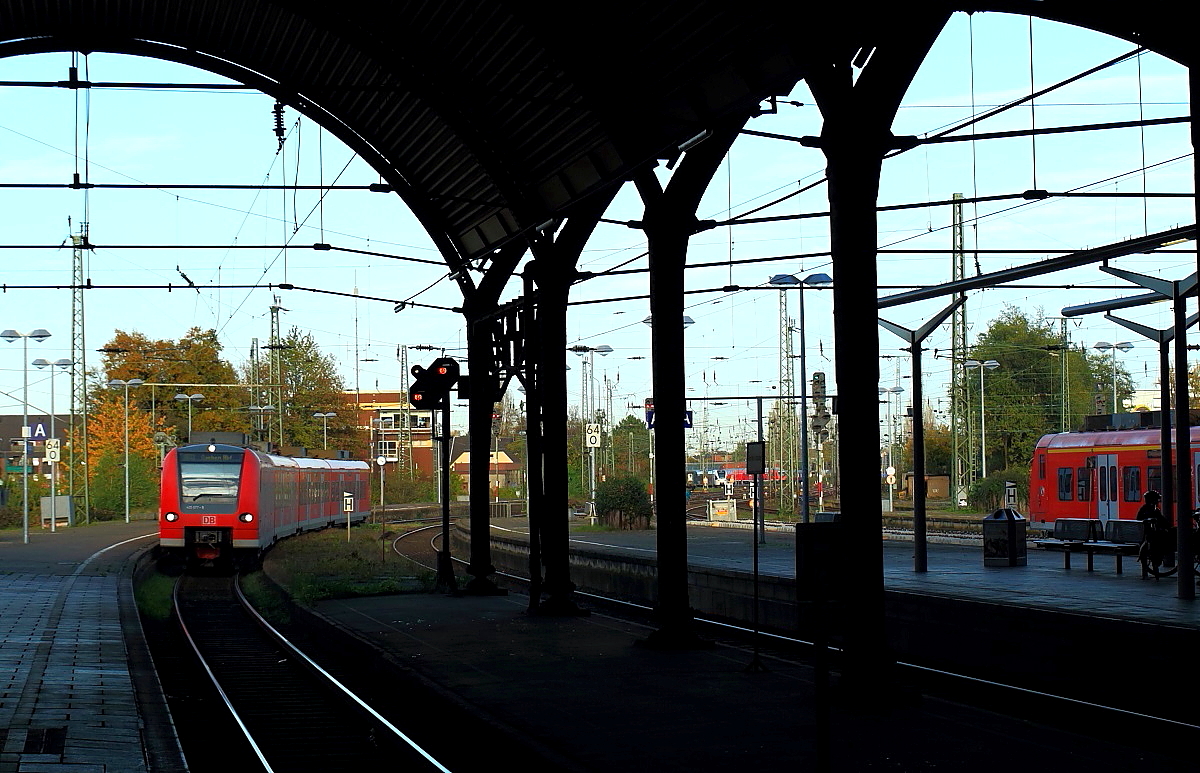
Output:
(687, 419)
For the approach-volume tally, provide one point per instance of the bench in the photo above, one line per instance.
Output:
(1091, 536)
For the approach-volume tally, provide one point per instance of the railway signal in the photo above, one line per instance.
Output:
(433, 384)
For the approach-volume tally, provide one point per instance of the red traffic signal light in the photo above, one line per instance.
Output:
(433, 384)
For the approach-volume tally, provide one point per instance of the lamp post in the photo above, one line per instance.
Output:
(985, 365)
(63, 364)
(11, 335)
(587, 413)
(189, 399)
(133, 382)
(820, 281)
(1105, 346)
(325, 417)
(891, 436)
(261, 411)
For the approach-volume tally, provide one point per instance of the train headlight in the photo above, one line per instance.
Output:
(171, 517)
(246, 517)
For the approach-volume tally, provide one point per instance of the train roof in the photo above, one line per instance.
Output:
(303, 462)
(1117, 438)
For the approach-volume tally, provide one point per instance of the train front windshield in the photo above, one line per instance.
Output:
(209, 478)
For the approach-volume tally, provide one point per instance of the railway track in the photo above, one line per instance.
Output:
(292, 714)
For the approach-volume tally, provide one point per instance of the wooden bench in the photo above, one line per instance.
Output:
(1091, 536)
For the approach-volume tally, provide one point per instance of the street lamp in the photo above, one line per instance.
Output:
(1105, 346)
(587, 412)
(133, 382)
(985, 365)
(325, 417)
(11, 335)
(63, 364)
(819, 281)
(190, 399)
(891, 437)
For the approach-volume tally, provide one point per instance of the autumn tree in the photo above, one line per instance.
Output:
(104, 465)
(192, 365)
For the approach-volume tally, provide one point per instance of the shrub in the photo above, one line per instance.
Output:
(623, 503)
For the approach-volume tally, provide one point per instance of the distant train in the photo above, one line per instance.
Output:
(1099, 474)
(226, 503)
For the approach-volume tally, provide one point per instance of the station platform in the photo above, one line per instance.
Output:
(77, 691)
(585, 696)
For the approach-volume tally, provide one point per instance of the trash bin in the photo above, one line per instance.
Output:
(821, 558)
(1004, 538)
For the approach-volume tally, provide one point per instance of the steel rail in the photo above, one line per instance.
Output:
(333, 681)
(187, 634)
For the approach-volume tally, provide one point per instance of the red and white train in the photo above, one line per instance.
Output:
(222, 502)
(1099, 474)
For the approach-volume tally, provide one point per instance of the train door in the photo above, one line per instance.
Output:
(1195, 480)
(1106, 487)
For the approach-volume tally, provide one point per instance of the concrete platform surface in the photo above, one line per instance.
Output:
(69, 681)
(588, 697)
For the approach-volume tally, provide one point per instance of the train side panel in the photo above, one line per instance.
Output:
(1100, 475)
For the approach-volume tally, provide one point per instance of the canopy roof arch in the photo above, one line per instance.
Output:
(492, 118)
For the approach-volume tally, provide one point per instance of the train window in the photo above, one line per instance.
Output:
(1065, 480)
(1102, 488)
(1132, 480)
(1041, 466)
(211, 479)
(1085, 484)
(1154, 479)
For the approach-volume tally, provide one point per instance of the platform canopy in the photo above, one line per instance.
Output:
(495, 118)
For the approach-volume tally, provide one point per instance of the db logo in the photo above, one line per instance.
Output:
(208, 520)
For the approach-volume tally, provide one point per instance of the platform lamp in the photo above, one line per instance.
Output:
(1105, 346)
(62, 364)
(985, 365)
(190, 400)
(133, 382)
(325, 417)
(11, 335)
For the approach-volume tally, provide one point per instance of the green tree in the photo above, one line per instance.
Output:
(631, 448)
(1041, 385)
(311, 385)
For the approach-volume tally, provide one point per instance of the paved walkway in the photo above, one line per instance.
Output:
(68, 697)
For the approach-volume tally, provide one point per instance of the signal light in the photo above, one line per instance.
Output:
(433, 384)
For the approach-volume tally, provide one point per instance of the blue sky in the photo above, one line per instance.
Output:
(227, 137)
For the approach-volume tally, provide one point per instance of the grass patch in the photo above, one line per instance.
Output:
(323, 564)
(153, 596)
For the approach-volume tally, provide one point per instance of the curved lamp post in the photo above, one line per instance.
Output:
(133, 382)
(11, 335)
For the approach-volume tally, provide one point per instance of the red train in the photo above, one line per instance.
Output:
(223, 502)
(1098, 474)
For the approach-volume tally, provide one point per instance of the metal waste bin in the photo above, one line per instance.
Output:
(1004, 538)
